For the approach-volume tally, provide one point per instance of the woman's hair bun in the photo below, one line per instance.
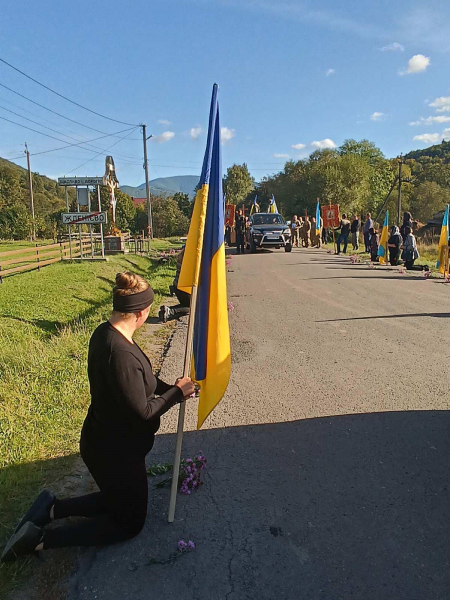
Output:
(129, 283)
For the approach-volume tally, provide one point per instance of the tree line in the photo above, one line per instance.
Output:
(356, 175)
(171, 215)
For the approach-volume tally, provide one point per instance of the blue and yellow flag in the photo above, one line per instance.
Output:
(255, 206)
(272, 205)
(204, 266)
(443, 243)
(318, 218)
(382, 248)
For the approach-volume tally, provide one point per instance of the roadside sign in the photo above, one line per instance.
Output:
(70, 181)
(330, 215)
(95, 218)
(83, 196)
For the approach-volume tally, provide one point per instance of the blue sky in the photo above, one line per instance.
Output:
(293, 76)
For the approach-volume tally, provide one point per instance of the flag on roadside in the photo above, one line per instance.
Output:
(382, 248)
(204, 267)
(317, 218)
(255, 206)
(443, 242)
(272, 205)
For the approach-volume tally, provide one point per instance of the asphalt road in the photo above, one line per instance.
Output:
(328, 458)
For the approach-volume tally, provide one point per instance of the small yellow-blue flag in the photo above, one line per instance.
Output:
(443, 242)
(382, 248)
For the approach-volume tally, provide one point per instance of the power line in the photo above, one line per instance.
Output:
(55, 149)
(102, 151)
(53, 111)
(66, 135)
(65, 97)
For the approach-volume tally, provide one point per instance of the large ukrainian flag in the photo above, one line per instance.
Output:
(382, 248)
(204, 266)
(443, 242)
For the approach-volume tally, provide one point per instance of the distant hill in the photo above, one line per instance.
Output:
(165, 186)
(441, 150)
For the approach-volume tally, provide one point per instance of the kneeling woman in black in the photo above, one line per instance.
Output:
(127, 401)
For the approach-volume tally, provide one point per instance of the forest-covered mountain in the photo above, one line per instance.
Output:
(165, 186)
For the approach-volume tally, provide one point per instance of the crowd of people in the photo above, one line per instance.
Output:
(402, 245)
(305, 233)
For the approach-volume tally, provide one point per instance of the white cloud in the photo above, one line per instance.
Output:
(227, 134)
(195, 132)
(281, 155)
(431, 120)
(330, 72)
(446, 134)
(326, 143)
(428, 138)
(298, 146)
(377, 116)
(441, 104)
(416, 64)
(164, 137)
(394, 47)
(164, 122)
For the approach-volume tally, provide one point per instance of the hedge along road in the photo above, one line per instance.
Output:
(328, 457)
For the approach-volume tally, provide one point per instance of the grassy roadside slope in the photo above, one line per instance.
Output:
(46, 320)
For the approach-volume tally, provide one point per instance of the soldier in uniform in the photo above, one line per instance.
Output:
(295, 231)
(306, 233)
(240, 232)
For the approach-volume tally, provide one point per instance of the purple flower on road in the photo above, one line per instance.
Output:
(230, 306)
(182, 545)
(191, 545)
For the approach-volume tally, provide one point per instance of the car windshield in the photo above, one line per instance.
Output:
(268, 220)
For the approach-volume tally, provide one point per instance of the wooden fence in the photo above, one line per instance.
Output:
(30, 258)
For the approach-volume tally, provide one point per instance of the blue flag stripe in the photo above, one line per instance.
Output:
(212, 240)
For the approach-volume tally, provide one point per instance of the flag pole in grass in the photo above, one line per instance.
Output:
(382, 248)
(443, 244)
(203, 275)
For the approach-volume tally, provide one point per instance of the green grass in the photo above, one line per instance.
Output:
(6, 245)
(46, 320)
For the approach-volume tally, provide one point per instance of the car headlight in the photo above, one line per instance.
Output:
(286, 232)
(256, 232)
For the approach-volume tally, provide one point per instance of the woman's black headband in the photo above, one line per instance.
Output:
(133, 302)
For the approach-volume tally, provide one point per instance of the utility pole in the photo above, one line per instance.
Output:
(147, 184)
(30, 185)
(399, 205)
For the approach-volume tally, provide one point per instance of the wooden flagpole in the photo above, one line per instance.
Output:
(186, 373)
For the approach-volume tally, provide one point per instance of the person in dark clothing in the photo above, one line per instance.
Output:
(228, 235)
(127, 402)
(240, 232)
(407, 222)
(343, 236)
(366, 231)
(182, 309)
(325, 235)
(374, 244)
(394, 245)
(355, 227)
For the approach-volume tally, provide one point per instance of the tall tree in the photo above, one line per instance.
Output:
(184, 203)
(238, 183)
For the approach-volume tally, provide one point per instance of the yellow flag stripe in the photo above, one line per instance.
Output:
(190, 268)
(218, 357)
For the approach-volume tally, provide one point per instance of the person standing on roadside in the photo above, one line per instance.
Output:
(368, 225)
(295, 231)
(240, 232)
(343, 236)
(306, 233)
(355, 227)
(407, 222)
(374, 244)
(127, 402)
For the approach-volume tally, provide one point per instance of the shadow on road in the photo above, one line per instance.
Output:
(351, 506)
(402, 316)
